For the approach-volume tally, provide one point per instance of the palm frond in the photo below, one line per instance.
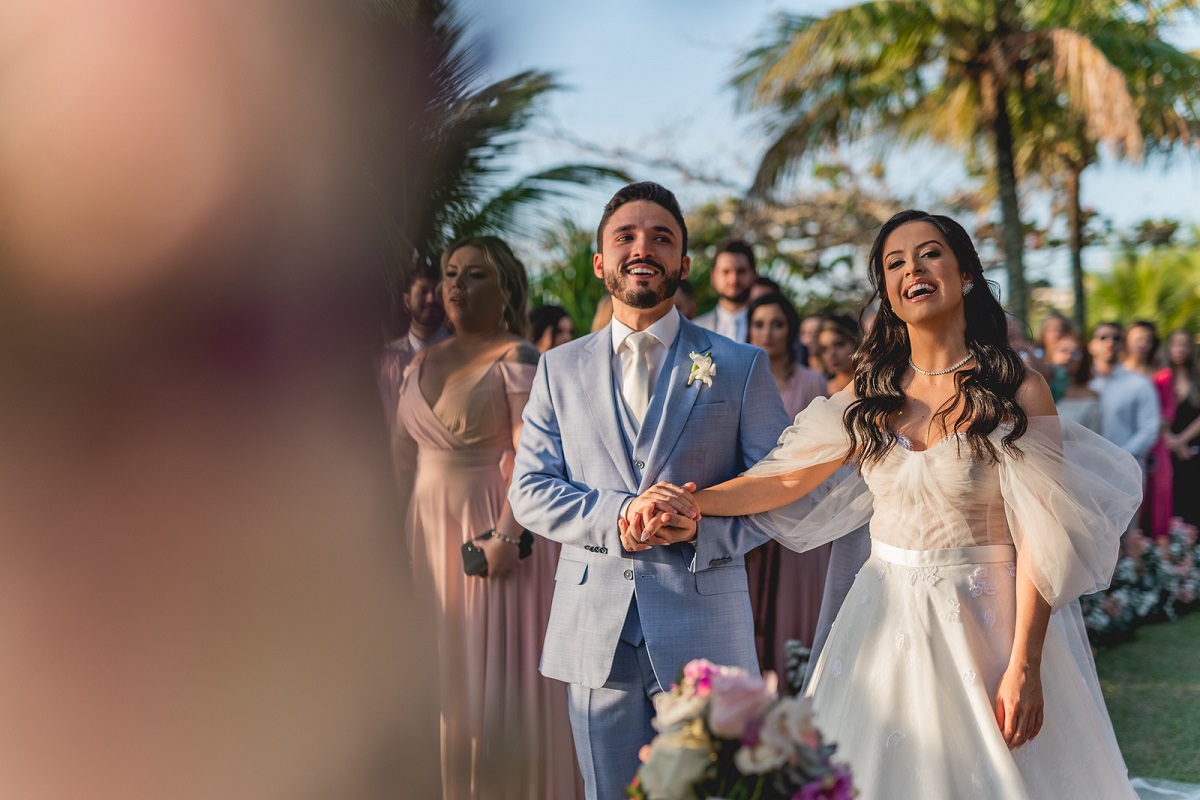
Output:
(1097, 91)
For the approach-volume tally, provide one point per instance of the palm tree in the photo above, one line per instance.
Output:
(451, 182)
(1160, 84)
(958, 72)
(1156, 283)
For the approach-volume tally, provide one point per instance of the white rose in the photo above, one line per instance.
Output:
(675, 762)
(676, 708)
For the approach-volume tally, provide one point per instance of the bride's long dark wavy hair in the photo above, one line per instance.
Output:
(985, 393)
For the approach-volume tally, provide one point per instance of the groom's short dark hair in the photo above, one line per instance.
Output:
(643, 190)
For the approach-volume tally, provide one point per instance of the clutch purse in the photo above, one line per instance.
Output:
(475, 561)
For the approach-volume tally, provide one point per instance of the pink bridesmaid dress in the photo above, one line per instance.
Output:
(505, 732)
(785, 586)
(1161, 488)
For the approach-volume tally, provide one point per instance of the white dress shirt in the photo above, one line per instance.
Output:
(732, 324)
(664, 331)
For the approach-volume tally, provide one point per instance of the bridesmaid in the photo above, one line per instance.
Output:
(837, 341)
(504, 729)
(785, 586)
(1183, 440)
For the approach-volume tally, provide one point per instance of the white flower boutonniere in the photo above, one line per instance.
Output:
(703, 368)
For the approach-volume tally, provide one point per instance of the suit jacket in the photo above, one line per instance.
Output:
(575, 470)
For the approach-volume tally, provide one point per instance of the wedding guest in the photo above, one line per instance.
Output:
(1053, 326)
(1129, 413)
(764, 286)
(1078, 402)
(1141, 351)
(1183, 439)
(685, 300)
(947, 662)
(733, 275)
(837, 340)
(505, 731)
(785, 587)
(550, 326)
(809, 328)
(604, 312)
(422, 300)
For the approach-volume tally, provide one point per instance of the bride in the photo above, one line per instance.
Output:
(947, 673)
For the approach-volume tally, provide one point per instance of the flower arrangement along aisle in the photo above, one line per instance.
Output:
(723, 733)
(1152, 582)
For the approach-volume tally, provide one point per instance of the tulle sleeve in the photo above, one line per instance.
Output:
(1068, 500)
(836, 507)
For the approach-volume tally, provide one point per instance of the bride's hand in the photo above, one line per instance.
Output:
(664, 496)
(1019, 705)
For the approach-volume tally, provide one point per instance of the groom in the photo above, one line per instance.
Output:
(650, 397)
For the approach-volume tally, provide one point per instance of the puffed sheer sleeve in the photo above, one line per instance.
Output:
(836, 507)
(1068, 499)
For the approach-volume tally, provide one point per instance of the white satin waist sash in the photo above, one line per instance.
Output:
(947, 557)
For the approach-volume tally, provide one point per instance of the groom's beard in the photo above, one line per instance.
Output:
(641, 298)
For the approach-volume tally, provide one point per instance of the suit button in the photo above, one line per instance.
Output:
(640, 464)
(602, 550)
(628, 574)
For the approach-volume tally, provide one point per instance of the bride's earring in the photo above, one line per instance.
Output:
(967, 287)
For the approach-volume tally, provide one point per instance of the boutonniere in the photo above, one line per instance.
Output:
(703, 369)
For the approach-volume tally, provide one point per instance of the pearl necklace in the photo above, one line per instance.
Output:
(945, 371)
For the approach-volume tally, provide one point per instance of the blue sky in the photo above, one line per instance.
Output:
(650, 76)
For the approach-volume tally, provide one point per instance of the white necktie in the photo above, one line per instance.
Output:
(636, 378)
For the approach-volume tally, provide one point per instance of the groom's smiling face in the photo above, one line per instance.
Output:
(641, 261)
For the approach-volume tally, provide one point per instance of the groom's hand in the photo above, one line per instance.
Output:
(663, 528)
(664, 496)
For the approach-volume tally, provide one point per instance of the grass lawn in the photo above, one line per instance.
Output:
(1152, 687)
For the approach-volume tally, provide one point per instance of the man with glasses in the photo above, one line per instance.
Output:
(1129, 412)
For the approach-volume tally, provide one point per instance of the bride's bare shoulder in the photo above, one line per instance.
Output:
(1034, 397)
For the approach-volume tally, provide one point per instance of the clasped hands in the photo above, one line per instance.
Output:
(663, 514)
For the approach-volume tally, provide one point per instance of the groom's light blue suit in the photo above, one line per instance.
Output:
(617, 615)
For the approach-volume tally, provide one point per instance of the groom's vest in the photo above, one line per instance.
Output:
(638, 442)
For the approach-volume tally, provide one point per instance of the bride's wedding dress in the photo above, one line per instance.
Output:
(906, 681)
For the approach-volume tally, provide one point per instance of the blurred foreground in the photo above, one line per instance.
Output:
(203, 587)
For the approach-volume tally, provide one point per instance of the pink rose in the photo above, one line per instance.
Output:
(736, 699)
(698, 673)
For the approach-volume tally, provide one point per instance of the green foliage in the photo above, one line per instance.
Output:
(450, 181)
(567, 279)
(1161, 284)
(1020, 80)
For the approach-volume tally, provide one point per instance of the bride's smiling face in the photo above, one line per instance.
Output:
(921, 273)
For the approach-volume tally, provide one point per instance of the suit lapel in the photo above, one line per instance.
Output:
(679, 399)
(596, 375)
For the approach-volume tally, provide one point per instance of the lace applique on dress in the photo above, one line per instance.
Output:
(894, 738)
(837, 667)
(989, 618)
(1012, 568)
(982, 584)
(899, 640)
(969, 677)
(952, 615)
(927, 574)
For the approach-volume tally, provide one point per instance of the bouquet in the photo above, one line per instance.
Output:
(726, 734)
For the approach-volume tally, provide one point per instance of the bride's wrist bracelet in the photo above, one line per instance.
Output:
(506, 539)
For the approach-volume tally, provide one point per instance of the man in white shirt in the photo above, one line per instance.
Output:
(1129, 409)
(650, 397)
(422, 299)
(733, 275)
